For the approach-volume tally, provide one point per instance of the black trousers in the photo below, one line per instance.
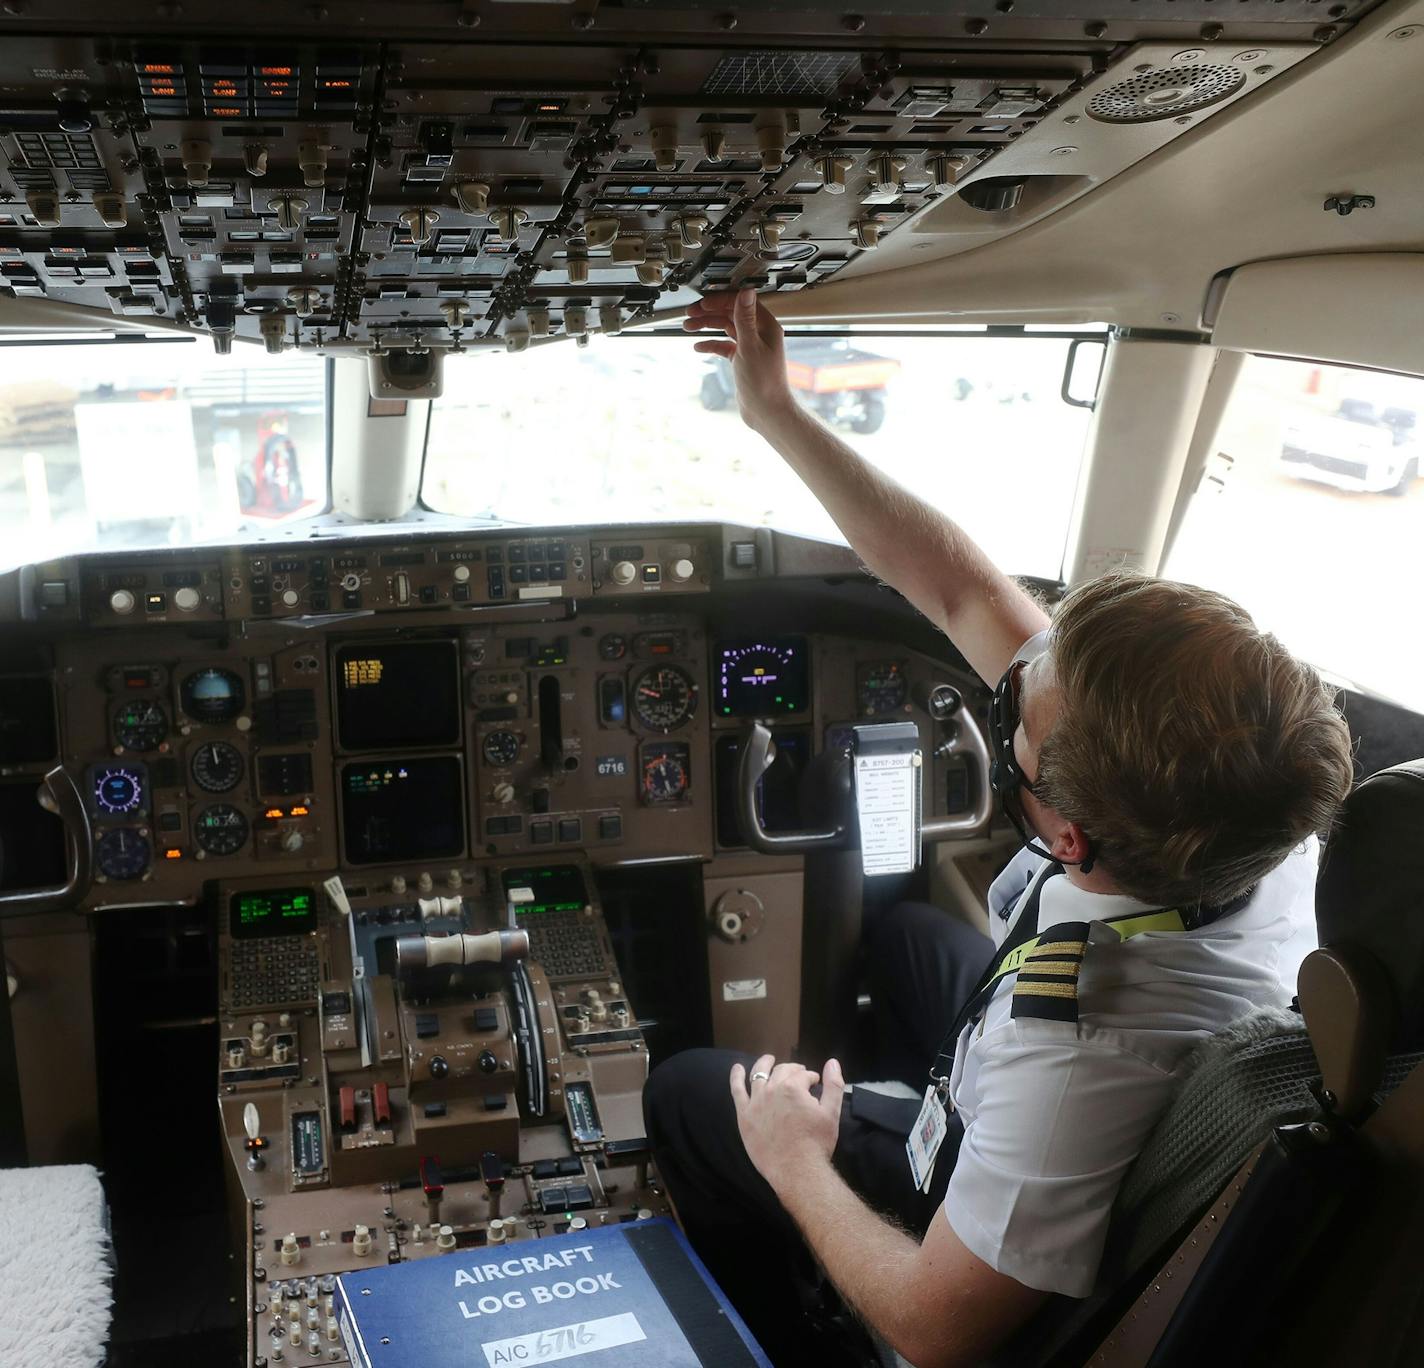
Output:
(921, 965)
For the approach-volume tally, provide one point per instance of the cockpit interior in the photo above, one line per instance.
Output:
(425, 707)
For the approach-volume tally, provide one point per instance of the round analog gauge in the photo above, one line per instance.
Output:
(883, 688)
(141, 725)
(213, 695)
(501, 748)
(122, 854)
(612, 646)
(216, 766)
(665, 776)
(664, 697)
(220, 829)
(118, 789)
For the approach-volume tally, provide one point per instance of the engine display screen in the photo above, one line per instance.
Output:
(272, 912)
(392, 695)
(556, 888)
(404, 809)
(763, 677)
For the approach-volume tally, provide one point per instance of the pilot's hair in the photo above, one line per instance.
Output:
(1191, 747)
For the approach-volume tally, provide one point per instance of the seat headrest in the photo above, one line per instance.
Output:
(1370, 893)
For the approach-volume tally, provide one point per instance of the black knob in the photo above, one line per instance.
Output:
(488, 1063)
(439, 1066)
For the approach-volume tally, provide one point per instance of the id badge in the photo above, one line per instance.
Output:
(925, 1138)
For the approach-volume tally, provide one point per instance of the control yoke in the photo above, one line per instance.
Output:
(962, 737)
(757, 753)
(60, 794)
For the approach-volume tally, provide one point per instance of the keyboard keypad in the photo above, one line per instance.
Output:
(275, 969)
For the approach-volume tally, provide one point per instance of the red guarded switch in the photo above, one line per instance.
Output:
(381, 1104)
(348, 1108)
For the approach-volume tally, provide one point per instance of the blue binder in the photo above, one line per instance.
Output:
(632, 1295)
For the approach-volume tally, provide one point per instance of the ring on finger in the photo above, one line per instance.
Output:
(760, 1076)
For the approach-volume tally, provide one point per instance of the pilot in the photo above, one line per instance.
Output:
(1169, 767)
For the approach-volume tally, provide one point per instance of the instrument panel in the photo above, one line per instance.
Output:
(597, 716)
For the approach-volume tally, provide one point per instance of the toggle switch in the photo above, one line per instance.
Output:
(289, 209)
(945, 170)
(610, 319)
(507, 221)
(274, 333)
(601, 232)
(885, 170)
(664, 144)
(771, 146)
(44, 207)
(832, 171)
(713, 142)
(112, 210)
(305, 300)
(311, 158)
(456, 312)
(445, 1240)
(492, 1176)
(197, 157)
(419, 223)
(768, 235)
(691, 228)
(865, 233)
(472, 196)
(575, 320)
(254, 159)
(252, 1125)
(538, 322)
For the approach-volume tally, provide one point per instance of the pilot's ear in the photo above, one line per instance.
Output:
(1071, 844)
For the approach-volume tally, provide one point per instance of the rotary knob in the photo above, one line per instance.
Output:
(186, 599)
(623, 572)
(122, 601)
(682, 570)
(424, 883)
(503, 793)
(291, 598)
(439, 1067)
(292, 841)
(397, 883)
(462, 573)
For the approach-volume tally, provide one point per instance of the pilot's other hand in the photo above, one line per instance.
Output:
(753, 343)
(784, 1125)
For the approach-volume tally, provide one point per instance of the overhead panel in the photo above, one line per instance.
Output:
(495, 174)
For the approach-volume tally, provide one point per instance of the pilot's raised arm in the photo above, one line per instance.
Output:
(1168, 765)
(909, 544)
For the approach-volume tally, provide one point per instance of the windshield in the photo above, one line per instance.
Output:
(1310, 512)
(154, 443)
(631, 429)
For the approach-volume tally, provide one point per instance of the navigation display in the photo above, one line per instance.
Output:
(402, 809)
(762, 677)
(397, 694)
(272, 912)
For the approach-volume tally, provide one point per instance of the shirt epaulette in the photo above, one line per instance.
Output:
(1047, 984)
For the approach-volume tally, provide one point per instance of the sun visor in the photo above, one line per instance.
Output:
(1354, 309)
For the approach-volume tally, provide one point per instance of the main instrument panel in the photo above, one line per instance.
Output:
(355, 705)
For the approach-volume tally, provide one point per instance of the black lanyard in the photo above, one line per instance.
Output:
(1003, 961)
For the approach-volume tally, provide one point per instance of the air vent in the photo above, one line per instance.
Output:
(1165, 92)
(783, 74)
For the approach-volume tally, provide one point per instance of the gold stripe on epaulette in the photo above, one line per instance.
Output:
(1072, 968)
(1063, 990)
(1052, 948)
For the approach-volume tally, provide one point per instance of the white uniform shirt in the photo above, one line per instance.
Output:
(1055, 1112)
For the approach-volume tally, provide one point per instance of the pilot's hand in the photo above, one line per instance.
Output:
(784, 1125)
(753, 344)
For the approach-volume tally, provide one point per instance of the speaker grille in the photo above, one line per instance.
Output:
(1164, 93)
